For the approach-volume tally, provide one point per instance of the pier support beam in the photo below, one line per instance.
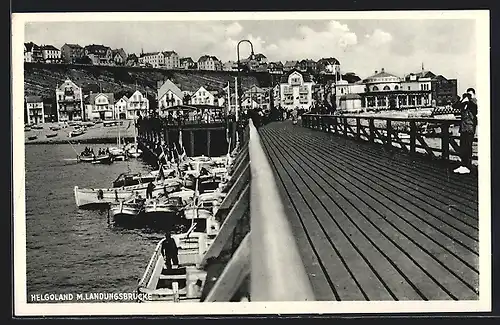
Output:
(191, 140)
(209, 133)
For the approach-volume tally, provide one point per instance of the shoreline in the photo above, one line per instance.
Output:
(98, 140)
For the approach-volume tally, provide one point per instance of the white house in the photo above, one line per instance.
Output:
(296, 90)
(69, 102)
(138, 105)
(204, 97)
(121, 107)
(34, 110)
(51, 54)
(101, 106)
(169, 94)
(348, 96)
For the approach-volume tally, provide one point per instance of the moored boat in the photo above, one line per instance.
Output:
(51, 135)
(126, 211)
(76, 133)
(86, 197)
(37, 127)
(32, 137)
(185, 283)
(100, 159)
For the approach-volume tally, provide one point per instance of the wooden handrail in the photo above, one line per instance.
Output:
(389, 118)
(277, 271)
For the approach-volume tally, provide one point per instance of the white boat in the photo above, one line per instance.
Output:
(164, 205)
(91, 196)
(97, 196)
(205, 207)
(185, 283)
(126, 210)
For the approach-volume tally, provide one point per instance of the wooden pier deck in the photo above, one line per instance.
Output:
(372, 224)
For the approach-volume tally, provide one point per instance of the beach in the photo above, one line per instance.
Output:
(97, 133)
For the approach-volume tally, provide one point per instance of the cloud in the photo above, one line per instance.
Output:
(234, 29)
(378, 38)
(310, 43)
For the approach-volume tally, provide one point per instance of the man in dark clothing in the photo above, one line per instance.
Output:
(169, 251)
(468, 110)
(149, 190)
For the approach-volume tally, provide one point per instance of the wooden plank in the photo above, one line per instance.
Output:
(228, 226)
(233, 275)
(417, 246)
(337, 275)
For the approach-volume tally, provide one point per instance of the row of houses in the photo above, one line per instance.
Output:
(74, 53)
(98, 54)
(295, 89)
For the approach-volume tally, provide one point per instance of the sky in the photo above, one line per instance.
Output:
(444, 46)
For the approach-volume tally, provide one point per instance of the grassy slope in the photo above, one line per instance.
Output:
(42, 79)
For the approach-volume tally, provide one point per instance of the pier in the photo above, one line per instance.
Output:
(341, 208)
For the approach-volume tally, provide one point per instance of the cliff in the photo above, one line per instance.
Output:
(42, 79)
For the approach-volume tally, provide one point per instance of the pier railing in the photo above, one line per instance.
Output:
(432, 137)
(267, 255)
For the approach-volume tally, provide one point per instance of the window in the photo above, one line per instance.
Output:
(396, 87)
(375, 88)
(387, 88)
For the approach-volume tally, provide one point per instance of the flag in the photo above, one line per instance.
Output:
(162, 155)
(183, 150)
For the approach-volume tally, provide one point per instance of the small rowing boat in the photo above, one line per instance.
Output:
(32, 137)
(51, 135)
(126, 211)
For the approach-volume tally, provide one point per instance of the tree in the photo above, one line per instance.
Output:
(186, 99)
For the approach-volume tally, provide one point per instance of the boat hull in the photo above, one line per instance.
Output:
(124, 213)
(87, 197)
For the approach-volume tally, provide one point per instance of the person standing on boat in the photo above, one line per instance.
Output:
(169, 251)
(149, 190)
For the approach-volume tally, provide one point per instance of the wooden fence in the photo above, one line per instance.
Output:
(433, 137)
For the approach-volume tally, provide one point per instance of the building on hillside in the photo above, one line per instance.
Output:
(261, 58)
(151, 59)
(51, 54)
(204, 96)
(32, 52)
(187, 63)
(171, 60)
(69, 102)
(230, 66)
(35, 110)
(165, 60)
(121, 107)
(119, 56)
(72, 53)
(101, 106)
(138, 105)
(209, 62)
(296, 90)
(257, 97)
(328, 66)
(169, 94)
(307, 65)
(99, 54)
(132, 60)
(275, 67)
(290, 65)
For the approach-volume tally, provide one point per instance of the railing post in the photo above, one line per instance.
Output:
(445, 140)
(358, 128)
(389, 132)
(345, 125)
(372, 130)
(413, 137)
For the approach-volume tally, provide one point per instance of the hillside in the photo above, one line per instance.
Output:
(42, 79)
